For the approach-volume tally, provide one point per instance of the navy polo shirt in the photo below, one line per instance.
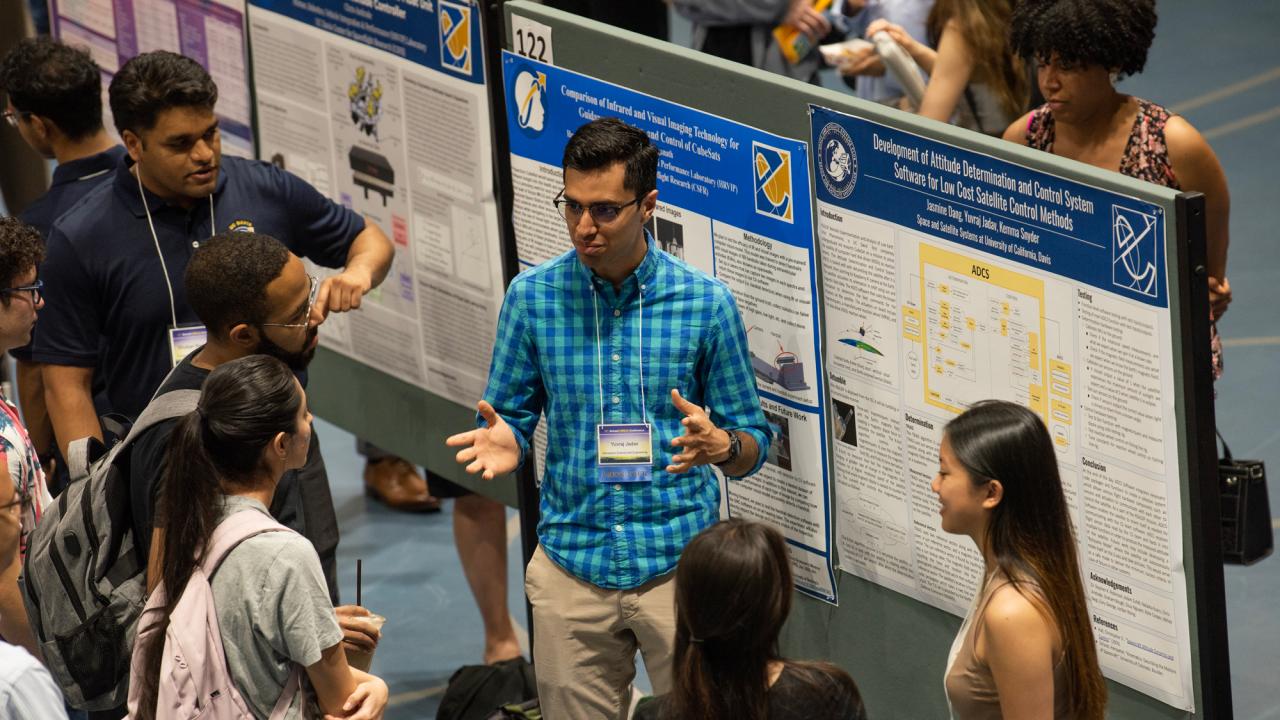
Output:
(103, 277)
(71, 182)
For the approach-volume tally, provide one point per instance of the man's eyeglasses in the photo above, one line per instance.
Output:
(601, 213)
(13, 116)
(20, 499)
(306, 319)
(33, 289)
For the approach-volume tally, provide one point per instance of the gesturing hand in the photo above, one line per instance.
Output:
(492, 449)
(703, 442)
(341, 292)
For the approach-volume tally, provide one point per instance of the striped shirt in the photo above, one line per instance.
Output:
(26, 688)
(545, 360)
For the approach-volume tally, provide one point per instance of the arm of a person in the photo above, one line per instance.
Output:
(367, 264)
(922, 54)
(515, 388)
(1198, 170)
(13, 614)
(35, 414)
(1017, 643)
(949, 74)
(68, 394)
(1017, 130)
(332, 679)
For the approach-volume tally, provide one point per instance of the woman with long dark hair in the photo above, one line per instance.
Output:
(1082, 47)
(1026, 649)
(251, 425)
(974, 74)
(733, 593)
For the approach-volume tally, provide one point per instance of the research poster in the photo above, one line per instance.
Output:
(952, 277)
(733, 201)
(382, 105)
(209, 31)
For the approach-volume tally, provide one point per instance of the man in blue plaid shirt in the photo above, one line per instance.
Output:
(640, 363)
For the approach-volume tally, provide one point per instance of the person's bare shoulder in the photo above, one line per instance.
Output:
(1017, 130)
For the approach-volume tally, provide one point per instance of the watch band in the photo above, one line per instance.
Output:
(735, 449)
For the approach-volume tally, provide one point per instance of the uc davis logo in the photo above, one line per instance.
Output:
(1133, 251)
(455, 36)
(772, 174)
(528, 93)
(837, 161)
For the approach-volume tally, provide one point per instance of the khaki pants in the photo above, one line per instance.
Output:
(585, 639)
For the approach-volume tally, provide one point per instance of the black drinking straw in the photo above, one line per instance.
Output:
(359, 570)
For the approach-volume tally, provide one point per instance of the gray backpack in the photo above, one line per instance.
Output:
(83, 580)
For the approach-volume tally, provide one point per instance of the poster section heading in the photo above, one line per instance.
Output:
(755, 181)
(733, 202)
(1112, 242)
(443, 35)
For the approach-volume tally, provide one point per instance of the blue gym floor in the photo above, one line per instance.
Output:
(1217, 64)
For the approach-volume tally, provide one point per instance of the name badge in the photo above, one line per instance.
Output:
(624, 453)
(185, 340)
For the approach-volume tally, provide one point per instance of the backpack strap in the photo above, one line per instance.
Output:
(172, 404)
(292, 688)
(233, 530)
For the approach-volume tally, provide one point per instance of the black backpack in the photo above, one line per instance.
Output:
(477, 692)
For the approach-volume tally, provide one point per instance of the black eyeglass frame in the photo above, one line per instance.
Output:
(601, 213)
(35, 289)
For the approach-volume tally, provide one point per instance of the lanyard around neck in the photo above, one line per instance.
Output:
(595, 305)
(213, 224)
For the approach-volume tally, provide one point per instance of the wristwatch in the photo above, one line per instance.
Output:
(735, 449)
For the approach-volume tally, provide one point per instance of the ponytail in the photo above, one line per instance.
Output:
(243, 405)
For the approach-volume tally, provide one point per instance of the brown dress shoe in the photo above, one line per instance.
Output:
(397, 484)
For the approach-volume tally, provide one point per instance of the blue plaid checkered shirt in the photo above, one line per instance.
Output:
(545, 360)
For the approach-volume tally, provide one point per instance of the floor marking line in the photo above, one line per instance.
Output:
(1258, 341)
(1244, 122)
(1226, 92)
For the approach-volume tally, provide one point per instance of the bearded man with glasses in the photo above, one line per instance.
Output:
(640, 363)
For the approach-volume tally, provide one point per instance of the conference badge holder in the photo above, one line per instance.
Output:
(185, 340)
(624, 453)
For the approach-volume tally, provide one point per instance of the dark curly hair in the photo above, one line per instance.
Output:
(21, 248)
(55, 81)
(153, 82)
(1114, 34)
(227, 278)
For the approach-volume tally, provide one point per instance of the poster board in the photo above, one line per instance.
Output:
(212, 32)
(732, 202)
(383, 107)
(896, 646)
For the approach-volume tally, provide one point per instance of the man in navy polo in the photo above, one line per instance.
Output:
(115, 262)
(54, 99)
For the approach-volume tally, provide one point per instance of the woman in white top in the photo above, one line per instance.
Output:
(251, 425)
(1026, 650)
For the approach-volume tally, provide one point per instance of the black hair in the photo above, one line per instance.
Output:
(58, 82)
(227, 278)
(1114, 34)
(733, 594)
(21, 248)
(243, 406)
(601, 143)
(153, 82)
(1029, 533)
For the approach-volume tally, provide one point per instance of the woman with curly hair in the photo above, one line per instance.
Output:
(1026, 648)
(973, 74)
(733, 593)
(1082, 47)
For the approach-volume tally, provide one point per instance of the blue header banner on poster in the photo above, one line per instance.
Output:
(443, 35)
(705, 162)
(1110, 241)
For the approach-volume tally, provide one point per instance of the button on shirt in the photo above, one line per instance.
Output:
(103, 277)
(545, 359)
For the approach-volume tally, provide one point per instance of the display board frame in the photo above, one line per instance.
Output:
(874, 624)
